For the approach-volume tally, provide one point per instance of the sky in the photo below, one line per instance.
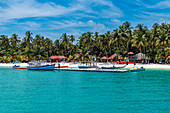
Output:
(52, 18)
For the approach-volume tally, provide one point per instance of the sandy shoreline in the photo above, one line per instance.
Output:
(147, 66)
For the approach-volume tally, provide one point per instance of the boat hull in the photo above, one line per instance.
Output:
(87, 66)
(108, 67)
(137, 70)
(46, 67)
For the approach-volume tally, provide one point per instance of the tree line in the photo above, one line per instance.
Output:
(153, 42)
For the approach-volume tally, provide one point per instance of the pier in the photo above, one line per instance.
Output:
(93, 70)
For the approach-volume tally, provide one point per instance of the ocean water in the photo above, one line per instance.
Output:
(25, 91)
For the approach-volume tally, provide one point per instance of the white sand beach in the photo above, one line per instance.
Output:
(147, 66)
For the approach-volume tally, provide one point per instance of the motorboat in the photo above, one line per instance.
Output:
(40, 66)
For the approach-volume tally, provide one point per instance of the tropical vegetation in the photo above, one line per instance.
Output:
(154, 42)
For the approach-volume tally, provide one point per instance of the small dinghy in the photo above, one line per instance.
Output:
(135, 69)
(18, 67)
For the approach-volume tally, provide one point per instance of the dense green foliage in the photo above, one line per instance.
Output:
(154, 43)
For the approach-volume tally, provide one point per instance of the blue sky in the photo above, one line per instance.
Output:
(51, 18)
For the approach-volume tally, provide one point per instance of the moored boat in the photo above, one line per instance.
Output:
(107, 67)
(113, 67)
(135, 69)
(87, 66)
(39, 66)
(16, 66)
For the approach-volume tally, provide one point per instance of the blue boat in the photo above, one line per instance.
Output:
(38, 66)
(16, 66)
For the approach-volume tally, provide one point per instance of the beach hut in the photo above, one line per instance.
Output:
(114, 56)
(140, 58)
(103, 59)
(131, 56)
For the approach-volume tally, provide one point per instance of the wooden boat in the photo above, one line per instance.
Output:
(43, 67)
(39, 66)
(136, 69)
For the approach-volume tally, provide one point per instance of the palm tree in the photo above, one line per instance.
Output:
(72, 39)
(84, 51)
(48, 46)
(28, 37)
(4, 42)
(139, 38)
(64, 40)
(117, 40)
(163, 40)
(14, 42)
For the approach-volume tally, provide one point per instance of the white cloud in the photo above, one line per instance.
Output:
(116, 21)
(14, 10)
(97, 27)
(165, 15)
(161, 5)
(110, 12)
(91, 25)
(17, 9)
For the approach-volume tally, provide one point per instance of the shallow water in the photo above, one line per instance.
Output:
(64, 91)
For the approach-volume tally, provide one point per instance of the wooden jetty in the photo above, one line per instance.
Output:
(93, 70)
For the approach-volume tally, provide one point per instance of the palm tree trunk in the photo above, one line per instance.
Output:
(164, 50)
(157, 54)
(144, 56)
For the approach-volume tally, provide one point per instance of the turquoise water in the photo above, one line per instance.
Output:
(24, 91)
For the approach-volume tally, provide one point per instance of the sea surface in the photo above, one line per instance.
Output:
(26, 91)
